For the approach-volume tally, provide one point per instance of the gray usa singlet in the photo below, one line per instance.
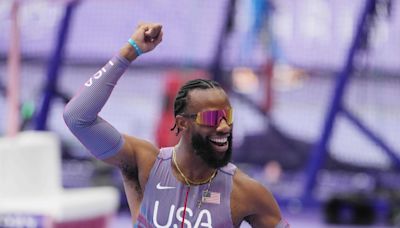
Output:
(164, 199)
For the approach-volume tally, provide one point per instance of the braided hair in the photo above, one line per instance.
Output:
(181, 98)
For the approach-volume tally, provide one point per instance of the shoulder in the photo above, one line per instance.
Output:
(245, 184)
(259, 208)
(249, 188)
(143, 152)
(135, 159)
(133, 151)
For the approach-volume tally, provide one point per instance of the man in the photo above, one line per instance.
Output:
(190, 185)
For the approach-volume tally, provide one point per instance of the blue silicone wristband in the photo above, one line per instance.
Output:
(134, 45)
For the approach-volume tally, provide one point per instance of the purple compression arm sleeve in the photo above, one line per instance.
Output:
(81, 113)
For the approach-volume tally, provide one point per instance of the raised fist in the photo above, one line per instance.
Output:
(147, 36)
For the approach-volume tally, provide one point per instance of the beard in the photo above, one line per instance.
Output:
(203, 148)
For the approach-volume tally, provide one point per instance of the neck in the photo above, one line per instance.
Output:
(191, 165)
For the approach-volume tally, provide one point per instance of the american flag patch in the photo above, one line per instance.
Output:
(211, 197)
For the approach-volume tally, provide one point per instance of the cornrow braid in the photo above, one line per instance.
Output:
(180, 102)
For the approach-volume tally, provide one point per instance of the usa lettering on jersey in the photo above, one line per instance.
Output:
(203, 219)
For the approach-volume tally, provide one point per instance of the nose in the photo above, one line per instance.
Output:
(223, 126)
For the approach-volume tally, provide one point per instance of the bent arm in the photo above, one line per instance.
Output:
(81, 113)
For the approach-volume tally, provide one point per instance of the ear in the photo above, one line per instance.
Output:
(181, 123)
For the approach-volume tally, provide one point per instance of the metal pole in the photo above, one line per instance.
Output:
(319, 152)
(372, 136)
(53, 68)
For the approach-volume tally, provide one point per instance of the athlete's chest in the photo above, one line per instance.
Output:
(168, 203)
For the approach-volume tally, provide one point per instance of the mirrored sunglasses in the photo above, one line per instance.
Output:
(212, 118)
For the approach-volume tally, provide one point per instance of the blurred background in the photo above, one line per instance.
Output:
(314, 84)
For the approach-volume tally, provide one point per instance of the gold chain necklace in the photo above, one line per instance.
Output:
(187, 180)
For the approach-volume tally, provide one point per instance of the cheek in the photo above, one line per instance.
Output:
(204, 131)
